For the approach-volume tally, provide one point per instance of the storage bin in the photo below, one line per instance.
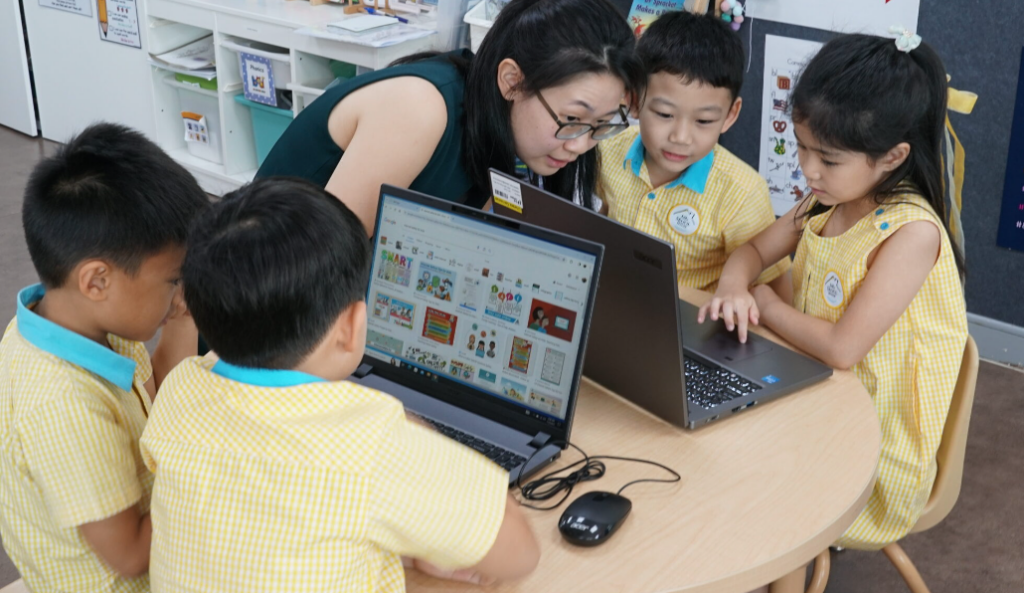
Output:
(342, 70)
(268, 123)
(200, 116)
(197, 81)
(478, 23)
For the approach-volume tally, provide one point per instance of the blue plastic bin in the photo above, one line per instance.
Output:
(268, 124)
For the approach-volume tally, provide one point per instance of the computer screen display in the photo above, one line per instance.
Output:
(456, 298)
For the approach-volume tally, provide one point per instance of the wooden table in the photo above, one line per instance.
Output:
(762, 494)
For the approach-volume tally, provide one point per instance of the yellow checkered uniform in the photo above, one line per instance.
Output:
(912, 370)
(716, 205)
(305, 485)
(70, 448)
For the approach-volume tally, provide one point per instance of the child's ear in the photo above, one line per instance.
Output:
(733, 115)
(509, 77)
(896, 156)
(350, 329)
(94, 278)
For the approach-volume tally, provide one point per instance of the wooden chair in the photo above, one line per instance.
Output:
(946, 488)
(17, 586)
(950, 474)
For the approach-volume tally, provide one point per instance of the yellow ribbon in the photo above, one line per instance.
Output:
(954, 162)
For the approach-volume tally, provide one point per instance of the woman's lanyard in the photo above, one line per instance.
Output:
(523, 172)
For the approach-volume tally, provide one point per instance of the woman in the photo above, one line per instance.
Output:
(546, 85)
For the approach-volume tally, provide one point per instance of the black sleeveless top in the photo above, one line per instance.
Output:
(306, 149)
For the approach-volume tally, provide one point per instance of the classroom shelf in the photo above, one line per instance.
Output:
(266, 28)
(211, 175)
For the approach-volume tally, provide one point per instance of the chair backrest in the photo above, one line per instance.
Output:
(17, 586)
(950, 458)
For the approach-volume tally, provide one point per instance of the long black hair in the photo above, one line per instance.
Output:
(552, 41)
(862, 94)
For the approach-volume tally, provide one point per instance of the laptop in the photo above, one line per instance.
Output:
(645, 342)
(479, 324)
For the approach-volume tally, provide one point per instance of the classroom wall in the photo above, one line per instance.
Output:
(980, 43)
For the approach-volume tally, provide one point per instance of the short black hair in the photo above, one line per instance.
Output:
(108, 193)
(270, 268)
(697, 48)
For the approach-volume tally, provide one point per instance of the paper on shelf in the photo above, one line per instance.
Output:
(204, 73)
(361, 24)
(197, 55)
(386, 37)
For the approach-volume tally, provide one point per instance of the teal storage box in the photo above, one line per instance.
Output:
(268, 124)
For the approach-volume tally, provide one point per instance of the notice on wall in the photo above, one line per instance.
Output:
(644, 12)
(849, 16)
(784, 59)
(1011, 219)
(82, 7)
(119, 22)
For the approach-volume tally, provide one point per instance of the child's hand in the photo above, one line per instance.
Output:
(465, 575)
(765, 296)
(737, 308)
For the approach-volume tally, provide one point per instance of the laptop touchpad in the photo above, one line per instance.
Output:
(725, 347)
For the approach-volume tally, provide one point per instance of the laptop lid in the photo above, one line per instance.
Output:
(635, 346)
(480, 311)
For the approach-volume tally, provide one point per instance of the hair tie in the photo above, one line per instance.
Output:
(906, 41)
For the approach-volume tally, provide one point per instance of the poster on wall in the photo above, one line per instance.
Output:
(119, 22)
(82, 7)
(645, 12)
(784, 58)
(848, 16)
(1011, 219)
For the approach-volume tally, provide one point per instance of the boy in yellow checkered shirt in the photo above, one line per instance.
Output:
(671, 179)
(105, 221)
(274, 473)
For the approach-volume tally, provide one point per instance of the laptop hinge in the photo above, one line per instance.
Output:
(540, 440)
(363, 370)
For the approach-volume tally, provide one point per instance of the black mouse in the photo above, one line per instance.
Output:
(593, 518)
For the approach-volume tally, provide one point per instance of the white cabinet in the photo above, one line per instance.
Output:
(234, 25)
(16, 108)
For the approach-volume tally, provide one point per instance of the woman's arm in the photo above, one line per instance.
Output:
(900, 268)
(388, 130)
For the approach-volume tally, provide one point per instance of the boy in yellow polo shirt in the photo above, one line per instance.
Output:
(671, 179)
(105, 220)
(274, 473)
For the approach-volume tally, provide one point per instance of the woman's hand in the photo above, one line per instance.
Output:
(736, 307)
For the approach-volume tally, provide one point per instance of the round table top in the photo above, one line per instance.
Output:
(762, 493)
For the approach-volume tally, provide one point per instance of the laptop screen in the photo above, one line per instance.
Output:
(457, 299)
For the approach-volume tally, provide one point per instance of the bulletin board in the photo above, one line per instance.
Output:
(982, 51)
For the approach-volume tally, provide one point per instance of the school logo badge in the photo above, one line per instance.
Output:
(684, 219)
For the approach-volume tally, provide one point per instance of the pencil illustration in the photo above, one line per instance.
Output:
(102, 4)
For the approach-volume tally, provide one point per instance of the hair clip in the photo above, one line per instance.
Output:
(732, 13)
(906, 41)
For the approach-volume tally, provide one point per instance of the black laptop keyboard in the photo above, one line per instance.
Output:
(710, 386)
(503, 457)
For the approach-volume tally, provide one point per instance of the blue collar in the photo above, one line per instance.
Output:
(67, 345)
(263, 377)
(694, 177)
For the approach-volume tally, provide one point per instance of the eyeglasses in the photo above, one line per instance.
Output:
(568, 131)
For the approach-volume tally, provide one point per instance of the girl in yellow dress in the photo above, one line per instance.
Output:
(877, 280)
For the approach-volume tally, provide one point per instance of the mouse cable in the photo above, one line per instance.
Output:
(552, 484)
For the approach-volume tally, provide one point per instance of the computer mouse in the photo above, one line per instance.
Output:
(592, 518)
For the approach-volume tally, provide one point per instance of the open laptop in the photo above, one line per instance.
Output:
(478, 324)
(645, 342)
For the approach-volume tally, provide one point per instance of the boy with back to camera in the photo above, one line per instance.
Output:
(274, 473)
